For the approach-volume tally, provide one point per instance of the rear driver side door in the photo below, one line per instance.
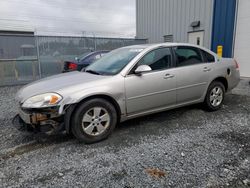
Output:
(192, 74)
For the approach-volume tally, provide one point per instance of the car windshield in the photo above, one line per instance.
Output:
(113, 62)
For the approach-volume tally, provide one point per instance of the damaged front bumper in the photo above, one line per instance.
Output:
(45, 120)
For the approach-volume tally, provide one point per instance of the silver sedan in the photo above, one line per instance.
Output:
(126, 83)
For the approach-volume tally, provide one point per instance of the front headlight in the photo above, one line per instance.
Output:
(43, 100)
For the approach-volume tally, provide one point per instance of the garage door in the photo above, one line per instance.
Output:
(242, 40)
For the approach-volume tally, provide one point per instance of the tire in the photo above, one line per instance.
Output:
(215, 96)
(94, 120)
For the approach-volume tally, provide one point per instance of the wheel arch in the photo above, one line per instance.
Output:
(71, 109)
(223, 80)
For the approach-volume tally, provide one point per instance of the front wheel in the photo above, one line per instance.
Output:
(215, 96)
(94, 120)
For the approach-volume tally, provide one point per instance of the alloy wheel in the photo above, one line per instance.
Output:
(216, 96)
(95, 121)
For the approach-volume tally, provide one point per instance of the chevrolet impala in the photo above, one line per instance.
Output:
(126, 83)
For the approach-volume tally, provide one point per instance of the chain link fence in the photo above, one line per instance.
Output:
(27, 58)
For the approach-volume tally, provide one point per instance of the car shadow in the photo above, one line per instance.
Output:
(159, 117)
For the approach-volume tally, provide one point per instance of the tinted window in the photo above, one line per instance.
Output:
(157, 59)
(208, 57)
(187, 56)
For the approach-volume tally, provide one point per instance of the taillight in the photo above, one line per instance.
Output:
(72, 66)
(236, 64)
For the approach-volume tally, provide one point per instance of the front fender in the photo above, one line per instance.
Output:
(72, 101)
(116, 93)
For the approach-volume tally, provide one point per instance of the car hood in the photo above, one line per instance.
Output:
(58, 84)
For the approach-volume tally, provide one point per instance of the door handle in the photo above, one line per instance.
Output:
(167, 76)
(206, 69)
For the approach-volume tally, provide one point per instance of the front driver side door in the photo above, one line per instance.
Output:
(154, 89)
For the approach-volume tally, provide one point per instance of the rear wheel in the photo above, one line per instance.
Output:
(215, 96)
(94, 120)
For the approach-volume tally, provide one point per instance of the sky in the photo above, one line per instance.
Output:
(73, 17)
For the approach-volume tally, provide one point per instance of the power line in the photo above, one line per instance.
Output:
(45, 17)
(110, 11)
(67, 20)
(63, 19)
(33, 18)
(9, 19)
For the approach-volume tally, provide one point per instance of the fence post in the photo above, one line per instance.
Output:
(95, 43)
(38, 56)
(123, 42)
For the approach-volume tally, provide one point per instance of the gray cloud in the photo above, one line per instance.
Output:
(78, 17)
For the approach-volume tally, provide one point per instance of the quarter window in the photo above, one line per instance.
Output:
(157, 59)
(208, 57)
(187, 56)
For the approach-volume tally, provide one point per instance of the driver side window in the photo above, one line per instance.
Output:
(157, 59)
(187, 56)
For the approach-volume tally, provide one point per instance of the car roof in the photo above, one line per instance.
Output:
(94, 53)
(168, 44)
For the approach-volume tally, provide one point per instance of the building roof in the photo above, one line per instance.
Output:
(16, 25)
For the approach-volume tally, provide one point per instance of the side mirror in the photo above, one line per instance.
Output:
(142, 68)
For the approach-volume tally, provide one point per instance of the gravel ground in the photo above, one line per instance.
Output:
(243, 88)
(186, 147)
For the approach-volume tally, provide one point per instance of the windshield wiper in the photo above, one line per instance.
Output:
(92, 72)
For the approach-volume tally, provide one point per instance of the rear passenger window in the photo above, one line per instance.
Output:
(208, 57)
(187, 56)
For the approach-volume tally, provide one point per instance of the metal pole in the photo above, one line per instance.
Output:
(38, 57)
(94, 40)
(235, 26)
